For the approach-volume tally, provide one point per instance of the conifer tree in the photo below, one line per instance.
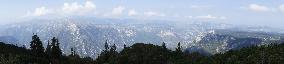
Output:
(179, 48)
(164, 46)
(48, 50)
(113, 48)
(113, 54)
(106, 46)
(104, 56)
(55, 50)
(36, 46)
(124, 46)
(72, 52)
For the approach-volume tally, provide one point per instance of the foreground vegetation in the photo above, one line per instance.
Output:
(138, 53)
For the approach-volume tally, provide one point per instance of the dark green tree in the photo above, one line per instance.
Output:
(48, 50)
(106, 46)
(164, 46)
(113, 54)
(36, 46)
(179, 48)
(113, 48)
(104, 56)
(74, 58)
(124, 46)
(165, 53)
(72, 52)
(55, 49)
(178, 55)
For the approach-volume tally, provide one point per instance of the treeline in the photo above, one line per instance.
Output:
(37, 54)
(138, 53)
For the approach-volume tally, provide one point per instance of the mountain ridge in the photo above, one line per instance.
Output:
(86, 34)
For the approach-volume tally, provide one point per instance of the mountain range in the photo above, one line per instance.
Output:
(88, 34)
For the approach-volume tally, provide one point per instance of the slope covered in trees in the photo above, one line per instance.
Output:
(138, 53)
(36, 54)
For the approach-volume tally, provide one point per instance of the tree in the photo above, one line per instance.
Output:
(48, 50)
(178, 55)
(179, 48)
(104, 56)
(55, 50)
(106, 46)
(113, 54)
(72, 52)
(74, 58)
(124, 46)
(164, 45)
(36, 46)
(165, 54)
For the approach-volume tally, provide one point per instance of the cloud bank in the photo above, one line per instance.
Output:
(75, 8)
(67, 9)
(90, 9)
(258, 8)
(39, 12)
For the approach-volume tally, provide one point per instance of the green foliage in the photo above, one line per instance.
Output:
(179, 49)
(138, 53)
(36, 46)
(266, 54)
(11, 54)
(55, 50)
(108, 56)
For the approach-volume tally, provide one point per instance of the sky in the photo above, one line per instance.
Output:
(243, 12)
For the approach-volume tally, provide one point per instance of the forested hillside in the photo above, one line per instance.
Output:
(139, 53)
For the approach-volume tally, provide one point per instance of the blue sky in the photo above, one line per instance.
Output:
(251, 12)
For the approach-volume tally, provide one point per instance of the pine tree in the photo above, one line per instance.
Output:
(164, 46)
(179, 48)
(113, 54)
(178, 55)
(72, 52)
(124, 46)
(55, 50)
(113, 48)
(106, 46)
(36, 46)
(104, 56)
(165, 54)
(48, 50)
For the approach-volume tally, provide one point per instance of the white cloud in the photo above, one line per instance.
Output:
(258, 8)
(75, 8)
(67, 9)
(89, 8)
(281, 7)
(151, 13)
(39, 12)
(132, 12)
(118, 10)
